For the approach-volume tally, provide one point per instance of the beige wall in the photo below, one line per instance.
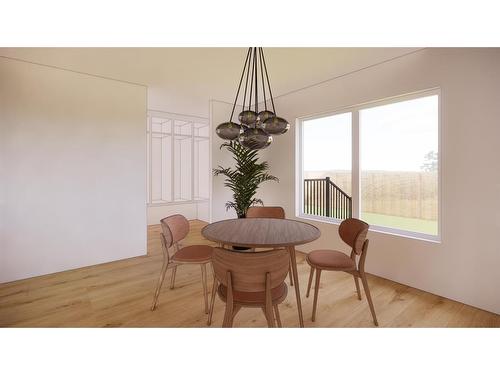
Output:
(72, 170)
(464, 266)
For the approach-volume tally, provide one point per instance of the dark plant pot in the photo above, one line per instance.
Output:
(240, 248)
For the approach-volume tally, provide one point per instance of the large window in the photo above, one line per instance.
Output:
(178, 159)
(378, 162)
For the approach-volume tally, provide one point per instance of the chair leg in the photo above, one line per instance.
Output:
(316, 291)
(277, 314)
(212, 301)
(236, 309)
(204, 282)
(228, 316)
(290, 273)
(269, 316)
(356, 281)
(158, 287)
(369, 297)
(172, 277)
(311, 273)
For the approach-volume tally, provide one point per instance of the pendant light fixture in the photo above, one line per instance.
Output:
(255, 129)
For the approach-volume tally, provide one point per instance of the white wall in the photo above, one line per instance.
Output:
(464, 266)
(72, 170)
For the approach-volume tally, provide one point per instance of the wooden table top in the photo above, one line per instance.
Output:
(260, 232)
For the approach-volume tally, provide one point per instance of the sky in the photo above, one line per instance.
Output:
(393, 137)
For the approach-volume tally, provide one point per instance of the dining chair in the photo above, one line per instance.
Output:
(353, 232)
(174, 229)
(271, 212)
(250, 280)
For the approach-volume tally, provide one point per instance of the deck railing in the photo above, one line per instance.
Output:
(323, 198)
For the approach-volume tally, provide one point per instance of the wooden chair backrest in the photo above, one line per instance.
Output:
(249, 270)
(266, 212)
(174, 229)
(353, 232)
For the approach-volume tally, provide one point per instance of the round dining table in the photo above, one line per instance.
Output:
(265, 233)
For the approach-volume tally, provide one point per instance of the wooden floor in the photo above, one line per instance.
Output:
(119, 294)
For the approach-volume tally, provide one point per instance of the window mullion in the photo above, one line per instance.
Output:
(192, 161)
(355, 174)
(172, 161)
(150, 166)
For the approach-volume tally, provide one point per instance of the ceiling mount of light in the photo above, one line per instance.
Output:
(255, 129)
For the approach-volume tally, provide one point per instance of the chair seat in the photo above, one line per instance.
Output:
(193, 254)
(330, 259)
(278, 294)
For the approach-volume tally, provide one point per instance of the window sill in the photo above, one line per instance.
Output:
(378, 229)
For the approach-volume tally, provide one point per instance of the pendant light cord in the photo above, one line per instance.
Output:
(268, 84)
(239, 86)
(256, 86)
(251, 63)
(262, 79)
(251, 80)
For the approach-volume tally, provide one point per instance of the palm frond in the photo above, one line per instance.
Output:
(245, 178)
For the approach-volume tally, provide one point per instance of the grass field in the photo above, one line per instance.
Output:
(404, 223)
(398, 222)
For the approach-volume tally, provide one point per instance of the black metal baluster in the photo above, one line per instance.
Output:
(320, 201)
(329, 200)
(308, 197)
(332, 199)
(304, 199)
(341, 202)
(337, 198)
(341, 196)
(334, 202)
(312, 198)
(327, 196)
(323, 195)
(316, 198)
(343, 206)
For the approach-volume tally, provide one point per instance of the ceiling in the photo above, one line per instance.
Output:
(183, 80)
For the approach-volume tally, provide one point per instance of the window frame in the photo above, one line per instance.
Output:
(192, 120)
(355, 167)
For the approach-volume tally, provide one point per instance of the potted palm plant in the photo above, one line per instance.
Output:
(245, 178)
